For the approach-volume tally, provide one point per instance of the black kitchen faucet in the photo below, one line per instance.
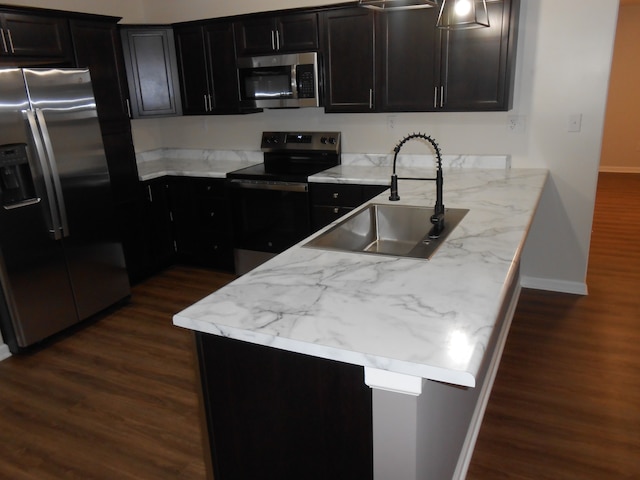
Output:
(437, 219)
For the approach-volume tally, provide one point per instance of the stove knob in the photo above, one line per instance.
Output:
(323, 140)
(332, 140)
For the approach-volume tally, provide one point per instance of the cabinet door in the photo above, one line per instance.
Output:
(256, 36)
(407, 44)
(192, 70)
(26, 35)
(151, 71)
(297, 33)
(202, 226)
(160, 234)
(283, 34)
(97, 47)
(291, 415)
(478, 64)
(221, 53)
(121, 161)
(349, 66)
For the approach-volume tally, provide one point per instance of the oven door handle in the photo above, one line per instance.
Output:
(266, 185)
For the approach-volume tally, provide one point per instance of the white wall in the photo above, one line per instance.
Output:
(564, 57)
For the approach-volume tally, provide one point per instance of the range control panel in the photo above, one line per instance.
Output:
(307, 141)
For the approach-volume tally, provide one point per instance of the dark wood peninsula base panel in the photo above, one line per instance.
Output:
(276, 414)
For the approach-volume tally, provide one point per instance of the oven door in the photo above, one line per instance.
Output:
(268, 218)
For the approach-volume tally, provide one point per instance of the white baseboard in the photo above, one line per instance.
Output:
(604, 168)
(561, 286)
(4, 351)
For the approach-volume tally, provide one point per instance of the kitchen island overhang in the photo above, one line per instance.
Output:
(432, 319)
(444, 320)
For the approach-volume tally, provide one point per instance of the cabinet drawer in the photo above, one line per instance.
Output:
(324, 215)
(210, 188)
(338, 195)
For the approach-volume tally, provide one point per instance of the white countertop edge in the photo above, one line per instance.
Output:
(181, 173)
(428, 372)
(392, 381)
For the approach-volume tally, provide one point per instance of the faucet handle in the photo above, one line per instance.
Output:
(394, 197)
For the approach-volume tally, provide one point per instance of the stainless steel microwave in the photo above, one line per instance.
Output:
(279, 81)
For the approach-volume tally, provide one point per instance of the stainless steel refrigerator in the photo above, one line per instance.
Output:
(61, 260)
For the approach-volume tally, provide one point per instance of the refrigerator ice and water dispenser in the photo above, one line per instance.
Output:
(16, 183)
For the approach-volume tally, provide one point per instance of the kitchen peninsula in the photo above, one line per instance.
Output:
(288, 351)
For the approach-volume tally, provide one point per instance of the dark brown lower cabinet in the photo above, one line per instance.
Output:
(202, 223)
(277, 414)
(331, 201)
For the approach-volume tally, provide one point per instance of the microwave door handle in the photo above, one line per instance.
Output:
(54, 171)
(54, 219)
(294, 81)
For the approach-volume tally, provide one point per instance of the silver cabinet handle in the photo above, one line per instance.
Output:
(206, 105)
(128, 107)
(435, 97)
(13, 50)
(149, 193)
(441, 96)
(371, 98)
(4, 42)
(277, 40)
(210, 103)
(273, 40)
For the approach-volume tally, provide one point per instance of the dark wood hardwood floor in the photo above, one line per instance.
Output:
(566, 401)
(117, 399)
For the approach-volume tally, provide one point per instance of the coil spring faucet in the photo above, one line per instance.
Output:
(437, 219)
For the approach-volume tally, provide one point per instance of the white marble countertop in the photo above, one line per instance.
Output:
(193, 163)
(431, 319)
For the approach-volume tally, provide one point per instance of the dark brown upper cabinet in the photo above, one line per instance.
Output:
(477, 66)
(207, 67)
(262, 35)
(40, 39)
(348, 42)
(97, 47)
(397, 61)
(406, 42)
(152, 71)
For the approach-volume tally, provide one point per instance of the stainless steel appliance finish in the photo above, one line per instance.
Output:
(60, 257)
(394, 230)
(270, 201)
(279, 81)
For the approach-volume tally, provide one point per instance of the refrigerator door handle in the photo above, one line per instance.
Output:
(54, 171)
(26, 203)
(54, 224)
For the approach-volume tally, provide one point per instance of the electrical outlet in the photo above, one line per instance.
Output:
(575, 122)
(516, 124)
(391, 122)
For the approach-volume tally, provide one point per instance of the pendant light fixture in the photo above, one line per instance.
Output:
(398, 4)
(462, 14)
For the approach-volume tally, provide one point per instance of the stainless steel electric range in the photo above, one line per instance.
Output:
(270, 201)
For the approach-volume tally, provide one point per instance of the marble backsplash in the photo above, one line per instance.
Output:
(351, 159)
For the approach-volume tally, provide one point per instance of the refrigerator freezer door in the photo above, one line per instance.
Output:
(33, 272)
(65, 108)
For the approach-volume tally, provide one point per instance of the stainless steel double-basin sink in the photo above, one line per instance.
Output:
(382, 229)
